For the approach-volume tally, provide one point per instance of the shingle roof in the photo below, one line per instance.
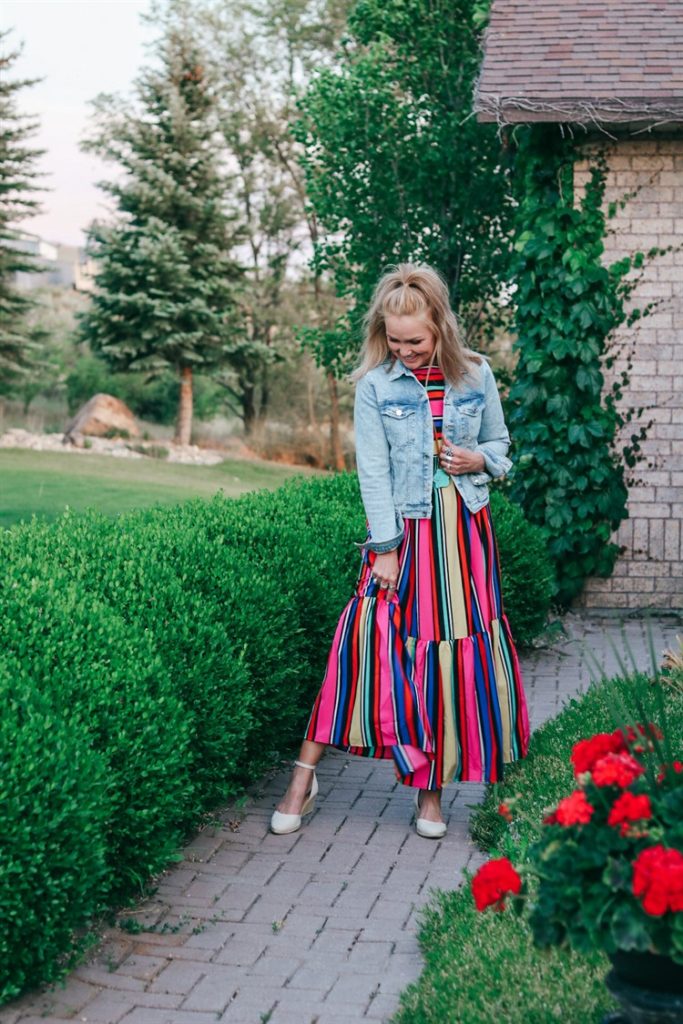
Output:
(582, 61)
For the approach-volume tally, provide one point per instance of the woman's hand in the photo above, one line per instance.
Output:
(456, 461)
(385, 571)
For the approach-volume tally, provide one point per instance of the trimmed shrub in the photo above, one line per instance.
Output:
(54, 806)
(178, 650)
(527, 576)
(90, 666)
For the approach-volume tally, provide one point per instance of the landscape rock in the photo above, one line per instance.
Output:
(76, 444)
(102, 415)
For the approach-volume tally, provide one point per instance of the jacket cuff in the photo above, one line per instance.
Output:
(496, 465)
(380, 547)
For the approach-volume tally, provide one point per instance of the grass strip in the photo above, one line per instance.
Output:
(46, 483)
(482, 968)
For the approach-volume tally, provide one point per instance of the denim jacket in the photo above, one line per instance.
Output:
(395, 444)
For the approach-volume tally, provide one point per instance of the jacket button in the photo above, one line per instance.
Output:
(399, 412)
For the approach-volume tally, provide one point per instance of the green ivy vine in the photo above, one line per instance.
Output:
(570, 474)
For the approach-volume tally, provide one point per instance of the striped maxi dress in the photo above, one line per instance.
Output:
(430, 676)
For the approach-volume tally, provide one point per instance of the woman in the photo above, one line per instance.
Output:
(423, 668)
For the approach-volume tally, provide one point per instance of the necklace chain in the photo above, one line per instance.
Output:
(426, 386)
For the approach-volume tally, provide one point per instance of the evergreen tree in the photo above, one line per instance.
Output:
(19, 339)
(165, 295)
(398, 168)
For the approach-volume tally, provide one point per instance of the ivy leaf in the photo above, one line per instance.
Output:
(577, 434)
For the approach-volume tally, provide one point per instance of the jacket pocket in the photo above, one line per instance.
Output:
(400, 423)
(467, 419)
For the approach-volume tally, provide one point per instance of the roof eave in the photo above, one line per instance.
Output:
(586, 111)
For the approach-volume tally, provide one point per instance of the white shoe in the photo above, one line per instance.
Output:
(282, 824)
(427, 829)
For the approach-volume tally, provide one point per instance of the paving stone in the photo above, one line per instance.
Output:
(269, 909)
(215, 989)
(336, 940)
(110, 979)
(316, 977)
(300, 923)
(178, 977)
(281, 1015)
(64, 1001)
(384, 1006)
(146, 1015)
(352, 989)
(109, 1007)
(238, 953)
(144, 967)
(373, 953)
(250, 1002)
(275, 970)
(181, 953)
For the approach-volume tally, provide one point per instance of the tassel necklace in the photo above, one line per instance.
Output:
(441, 477)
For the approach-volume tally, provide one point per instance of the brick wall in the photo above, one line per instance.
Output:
(649, 573)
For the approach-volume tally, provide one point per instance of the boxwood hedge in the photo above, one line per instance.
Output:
(150, 665)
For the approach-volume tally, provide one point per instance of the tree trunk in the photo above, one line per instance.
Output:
(310, 395)
(335, 439)
(184, 424)
(248, 399)
(265, 395)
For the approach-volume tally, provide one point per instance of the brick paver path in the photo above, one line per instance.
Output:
(314, 928)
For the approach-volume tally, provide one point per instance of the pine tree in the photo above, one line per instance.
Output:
(19, 340)
(165, 295)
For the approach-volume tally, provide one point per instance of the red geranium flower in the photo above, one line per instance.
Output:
(574, 810)
(628, 808)
(616, 770)
(492, 883)
(658, 880)
(586, 753)
(505, 812)
(649, 731)
(676, 767)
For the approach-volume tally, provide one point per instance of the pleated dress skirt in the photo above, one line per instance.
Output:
(429, 677)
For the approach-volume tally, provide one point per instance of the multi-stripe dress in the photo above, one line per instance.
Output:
(429, 676)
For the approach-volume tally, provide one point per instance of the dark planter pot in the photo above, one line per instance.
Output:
(648, 987)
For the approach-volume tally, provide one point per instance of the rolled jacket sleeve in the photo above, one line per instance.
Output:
(494, 440)
(374, 474)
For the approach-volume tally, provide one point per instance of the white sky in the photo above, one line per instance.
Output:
(80, 48)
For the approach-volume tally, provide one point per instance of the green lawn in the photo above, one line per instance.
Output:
(45, 483)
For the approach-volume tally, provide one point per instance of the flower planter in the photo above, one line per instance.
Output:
(649, 989)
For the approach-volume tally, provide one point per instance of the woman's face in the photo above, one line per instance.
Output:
(410, 340)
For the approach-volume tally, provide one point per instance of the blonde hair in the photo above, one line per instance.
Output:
(415, 289)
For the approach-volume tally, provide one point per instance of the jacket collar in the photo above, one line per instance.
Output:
(399, 370)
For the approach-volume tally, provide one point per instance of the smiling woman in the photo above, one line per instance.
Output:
(422, 669)
(409, 340)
